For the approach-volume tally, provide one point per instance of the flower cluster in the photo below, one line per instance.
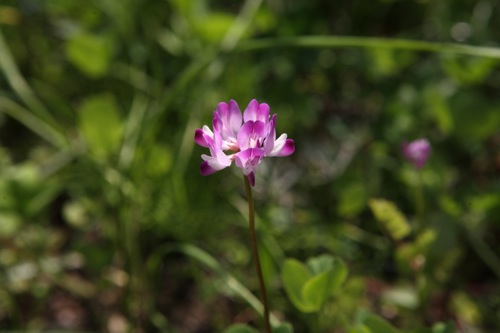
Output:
(249, 137)
(417, 152)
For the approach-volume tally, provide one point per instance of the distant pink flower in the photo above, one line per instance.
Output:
(417, 152)
(251, 137)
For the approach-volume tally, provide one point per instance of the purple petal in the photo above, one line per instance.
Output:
(271, 136)
(251, 178)
(241, 158)
(259, 129)
(256, 112)
(251, 135)
(250, 113)
(217, 123)
(235, 117)
(216, 162)
(214, 144)
(288, 148)
(201, 135)
(282, 147)
(263, 113)
(211, 165)
(227, 121)
(417, 152)
(271, 125)
(222, 109)
(249, 159)
(206, 169)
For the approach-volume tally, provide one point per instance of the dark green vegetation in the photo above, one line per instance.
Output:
(107, 225)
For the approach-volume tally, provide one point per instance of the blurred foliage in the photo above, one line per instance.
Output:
(99, 178)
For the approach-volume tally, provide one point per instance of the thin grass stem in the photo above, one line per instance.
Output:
(368, 42)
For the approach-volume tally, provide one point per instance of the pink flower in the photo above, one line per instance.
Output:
(217, 159)
(250, 137)
(417, 152)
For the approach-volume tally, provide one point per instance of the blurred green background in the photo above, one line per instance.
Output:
(106, 224)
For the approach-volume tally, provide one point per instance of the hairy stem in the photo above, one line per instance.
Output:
(255, 253)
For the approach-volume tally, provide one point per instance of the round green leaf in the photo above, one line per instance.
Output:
(316, 290)
(294, 275)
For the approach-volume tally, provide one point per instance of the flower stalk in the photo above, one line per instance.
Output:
(255, 252)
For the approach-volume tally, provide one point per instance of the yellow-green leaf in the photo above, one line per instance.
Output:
(91, 54)
(390, 217)
(100, 124)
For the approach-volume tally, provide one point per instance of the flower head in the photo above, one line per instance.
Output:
(417, 152)
(250, 137)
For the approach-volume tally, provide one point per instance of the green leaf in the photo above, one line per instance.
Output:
(320, 264)
(309, 288)
(283, 328)
(295, 275)
(327, 263)
(240, 328)
(387, 61)
(339, 275)
(214, 26)
(477, 125)
(443, 328)
(91, 54)
(191, 9)
(438, 108)
(377, 324)
(465, 308)
(437, 328)
(484, 202)
(10, 224)
(100, 124)
(317, 289)
(390, 217)
(352, 199)
(159, 160)
(468, 69)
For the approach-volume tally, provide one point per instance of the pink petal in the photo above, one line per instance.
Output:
(250, 113)
(206, 169)
(241, 158)
(251, 178)
(201, 135)
(249, 159)
(288, 148)
(263, 113)
(251, 134)
(256, 112)
(271, 137)
(235, 117)
(282, 146)
(417, 152)
(214, 163)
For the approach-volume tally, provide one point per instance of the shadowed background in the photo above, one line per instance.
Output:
(107, 225)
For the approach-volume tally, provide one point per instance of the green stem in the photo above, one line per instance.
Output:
(368, 42)
(255, 253)
(421, 278)
(420, 203)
